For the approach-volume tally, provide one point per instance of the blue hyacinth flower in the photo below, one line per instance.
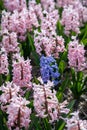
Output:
(49, 69)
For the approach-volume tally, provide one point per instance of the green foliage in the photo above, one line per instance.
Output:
(64, 85)
(62, 66)
(78, 84)
(60, 29)
(3, 125)
(1, 5)
(38, 1)
(83, 35)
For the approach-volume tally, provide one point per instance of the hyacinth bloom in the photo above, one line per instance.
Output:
(4, 22)
(18, 22)
(70, 20)
(12, 5)
(10, 42)
(84, 2)
(3, 62)
(62, 3)
(48, 44)
(49, 21)
(49, 69)
(32, 19)
(59, 47)
(18, 113)
(22, 72)
(75, 123)
(48, 5)
(45, 39)
(82, 11)
(9, 90)
(45, 100)
(46, 103)
(85, 13)
(73, 16)
(15, 22)
(76, 56)
(37, 9)
(43, 43)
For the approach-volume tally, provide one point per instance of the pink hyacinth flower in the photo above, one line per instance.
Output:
(76, 56)
(18, 113)
(22, 73)
(3, 62)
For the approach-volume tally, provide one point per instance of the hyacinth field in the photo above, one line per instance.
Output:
(43, 64)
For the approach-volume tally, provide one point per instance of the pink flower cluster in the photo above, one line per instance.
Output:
(70, 20)
(82, 11)
(62, 3)
(10, 43)
(15, 106)
(32, 20)
(22, 72)
(18, 113)
(84, 2)
(76, 56)
(46, 40)
(19, 22)
(75, 123)
(9, 90)
(3, 61)
(48, 4)
(58, 47)
(73, 15)
(46, 103)
(50, 45)
(36, 8)
(11, 5)
(14, 26)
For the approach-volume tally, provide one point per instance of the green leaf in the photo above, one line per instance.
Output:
(27, 94)
(62, 66)
(38, 1)
(35, 123)
(84, 41)
(21, 49)
(62, 126)
(64, 56)
(85, 32)
(79, 76)
(46, 124)
(59, 29)
(71, 104)
(31, 42)
(3, 125)
(1, 5)
(66, 82)
(35, 58)
(59, 95)
(73, 75)
(60, 11)
(1, 79)
(8, 77)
